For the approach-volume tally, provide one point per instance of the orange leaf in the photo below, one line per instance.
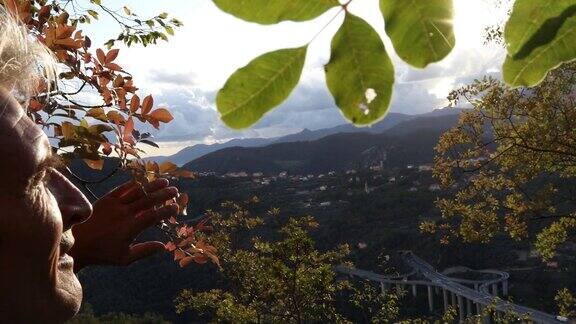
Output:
(170, 246)
(115, 117)
(35, 105)
(101, 57)
(113, 66)
(112, 55)
(147, 104)
(162, 115)
(179, 254)
(134, 103)
(119, 82)
(128, 128)
(95, 164)
(186, 261)
(107, 150)
(68, 130)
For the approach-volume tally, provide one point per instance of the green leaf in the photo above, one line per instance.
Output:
(421, 31)
(360, 74)
(531, 57)
(268, 12)
(527, 18)
(260, 86)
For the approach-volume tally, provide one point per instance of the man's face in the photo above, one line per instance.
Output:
(38, 207)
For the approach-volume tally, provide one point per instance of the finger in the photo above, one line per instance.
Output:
(154, 199)
(143, 250)
(156, 185)
(152, 217)
(133, 195)
(122, 189)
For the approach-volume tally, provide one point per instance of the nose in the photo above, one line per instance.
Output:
(73, 205)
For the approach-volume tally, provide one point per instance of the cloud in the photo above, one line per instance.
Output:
(172, 78)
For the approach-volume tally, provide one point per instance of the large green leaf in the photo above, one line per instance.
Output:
(421, 30)
(260, 86)
(527, 18)
(360, 74)
(273, 11)
(548, 46)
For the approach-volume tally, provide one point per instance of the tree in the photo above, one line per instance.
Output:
(511, 161)
(360, 75)
(286, 280)
(109, 127)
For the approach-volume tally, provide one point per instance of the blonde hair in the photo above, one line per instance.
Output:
(23, 60)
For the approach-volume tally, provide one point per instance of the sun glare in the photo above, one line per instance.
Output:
(472, 17)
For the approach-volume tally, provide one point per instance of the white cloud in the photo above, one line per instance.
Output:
(186, 72)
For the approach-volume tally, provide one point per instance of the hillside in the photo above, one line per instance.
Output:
(193, 152)
(410, 141)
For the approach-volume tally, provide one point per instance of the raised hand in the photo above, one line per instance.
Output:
(107, 238)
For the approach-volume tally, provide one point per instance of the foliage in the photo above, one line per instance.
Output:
(285, 280)
(538, 35)
(362, 91)
(79, 129)
(374, 306)
(107, 128)
(359, 75)
(86, 316)
(511, 161)
(566, 303)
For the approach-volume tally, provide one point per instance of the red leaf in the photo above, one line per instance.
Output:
(134, 103)
(128, 128)
(112, 55)
(101, 57)
(113, 66)
(35, 105)
(147, 104)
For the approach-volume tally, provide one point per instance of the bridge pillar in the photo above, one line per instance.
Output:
(495, 289)
(453, 295)
(461, 310)
(414, 291)
(445, 295)
(430, 299)
(383, 288)
(476, 287)
(505, 288)
(469, 310)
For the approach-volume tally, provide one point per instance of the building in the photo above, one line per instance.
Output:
(240, 174)
(425, 168)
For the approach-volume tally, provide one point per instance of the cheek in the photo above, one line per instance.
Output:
(44, 222)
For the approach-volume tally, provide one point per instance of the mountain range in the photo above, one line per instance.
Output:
(397, 140)
(195, 151)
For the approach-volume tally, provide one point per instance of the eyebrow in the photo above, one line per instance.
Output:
(52, 160)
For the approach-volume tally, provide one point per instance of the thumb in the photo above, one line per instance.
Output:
(143, 250)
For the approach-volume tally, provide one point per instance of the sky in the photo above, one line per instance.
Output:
(186, 73)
